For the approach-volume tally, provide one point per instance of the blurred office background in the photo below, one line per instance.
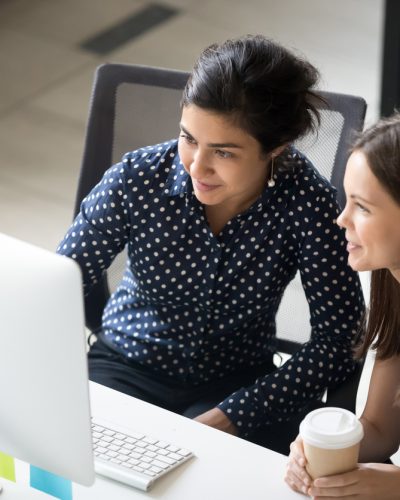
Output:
(49, 50)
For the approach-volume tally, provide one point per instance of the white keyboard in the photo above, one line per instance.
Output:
(132, 457)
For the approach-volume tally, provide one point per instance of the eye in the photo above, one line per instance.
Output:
(362, 208)
(187, 138)
(223, 154)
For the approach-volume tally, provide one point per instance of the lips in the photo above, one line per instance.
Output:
(202, 186)
(352, 246)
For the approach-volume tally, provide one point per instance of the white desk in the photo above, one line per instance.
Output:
(225, 467)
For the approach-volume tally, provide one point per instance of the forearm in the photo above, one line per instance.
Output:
(376, 445)
(217, 419)
(381, 415)
(320, 363)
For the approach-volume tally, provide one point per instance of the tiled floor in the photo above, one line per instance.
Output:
(46, 79)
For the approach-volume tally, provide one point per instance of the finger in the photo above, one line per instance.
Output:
(297, 464)
(297, 453)
(338, 480)
(351, 497)
(296, 484)
(300, 472)
(297, 477)
(339, 492)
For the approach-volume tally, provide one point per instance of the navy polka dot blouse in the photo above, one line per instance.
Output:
(197, 307)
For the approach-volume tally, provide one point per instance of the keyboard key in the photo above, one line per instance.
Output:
(149, 440)
(106, 439)
(167, 460)
(141, 444)
(162, 444)
(185, 453)
(160, 464)
(162, 451)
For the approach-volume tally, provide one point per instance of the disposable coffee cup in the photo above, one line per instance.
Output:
(331, 440)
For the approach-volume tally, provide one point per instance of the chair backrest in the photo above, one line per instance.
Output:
(134, 106)
(131, 106)
(328, 150)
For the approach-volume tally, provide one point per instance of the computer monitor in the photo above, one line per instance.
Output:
(44, 392)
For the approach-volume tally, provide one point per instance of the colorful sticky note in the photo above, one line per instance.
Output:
(50, 483)
(7, 467)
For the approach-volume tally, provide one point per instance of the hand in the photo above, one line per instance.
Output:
(296, 475)
(368, 482)
(216, 418)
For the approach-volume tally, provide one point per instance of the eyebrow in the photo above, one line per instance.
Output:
(357, 197)
(214, 144)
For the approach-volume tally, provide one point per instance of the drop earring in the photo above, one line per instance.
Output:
(271, 181)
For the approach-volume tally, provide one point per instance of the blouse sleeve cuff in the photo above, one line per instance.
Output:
(242, 412)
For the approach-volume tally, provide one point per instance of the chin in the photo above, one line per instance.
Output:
(358, 266)
(206, 200)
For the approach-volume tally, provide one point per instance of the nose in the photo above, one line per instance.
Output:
(343, 219)
(200, 165)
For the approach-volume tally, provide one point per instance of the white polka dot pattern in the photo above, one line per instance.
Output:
(197, 307)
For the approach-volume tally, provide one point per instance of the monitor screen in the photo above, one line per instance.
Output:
(44, 409)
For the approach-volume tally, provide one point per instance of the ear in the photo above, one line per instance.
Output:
(277, 151)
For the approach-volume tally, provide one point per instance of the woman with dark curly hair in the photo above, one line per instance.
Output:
(217, 223)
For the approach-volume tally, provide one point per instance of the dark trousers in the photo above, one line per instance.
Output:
(109, 368)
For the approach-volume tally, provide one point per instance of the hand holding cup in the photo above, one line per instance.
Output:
(297, 476)
(331, 441)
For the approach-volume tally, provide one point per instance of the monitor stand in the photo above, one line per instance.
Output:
(13, 491)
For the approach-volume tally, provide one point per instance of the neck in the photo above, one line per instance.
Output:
(219, 215)
(396, 274)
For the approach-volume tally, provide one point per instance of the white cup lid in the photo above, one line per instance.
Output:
(331, 428)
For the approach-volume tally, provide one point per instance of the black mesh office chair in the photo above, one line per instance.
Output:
(127, 103)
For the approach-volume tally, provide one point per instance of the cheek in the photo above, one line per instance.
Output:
(363, 229)
(184, 155)
(381, 243)
(392, 243)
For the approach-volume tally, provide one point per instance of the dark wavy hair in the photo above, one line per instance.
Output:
(264, 88)
(381, 146)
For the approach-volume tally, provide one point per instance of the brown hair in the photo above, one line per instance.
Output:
(381, 146)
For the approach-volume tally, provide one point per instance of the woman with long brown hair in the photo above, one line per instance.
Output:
(372, 222)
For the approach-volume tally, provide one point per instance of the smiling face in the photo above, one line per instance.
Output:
(371, 218)
(225, 163)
